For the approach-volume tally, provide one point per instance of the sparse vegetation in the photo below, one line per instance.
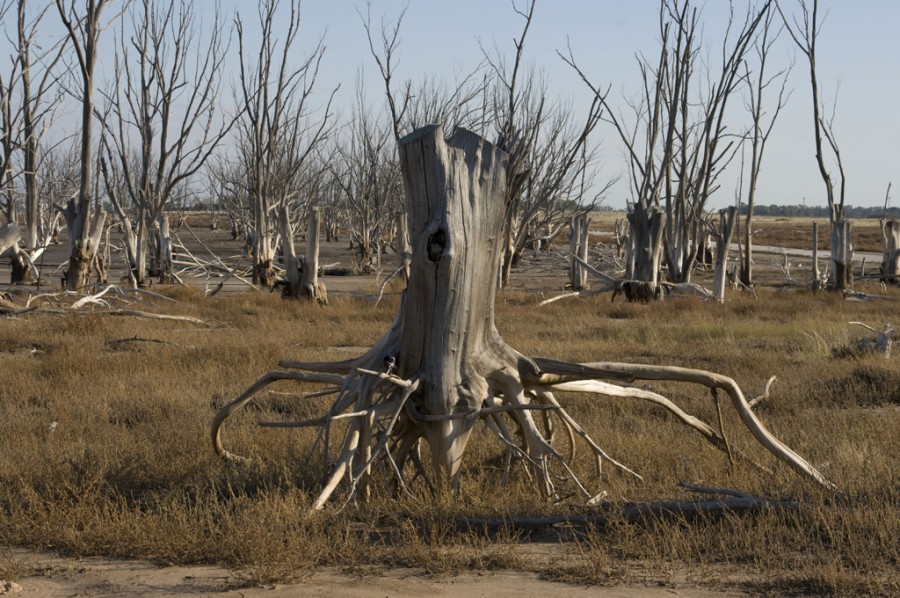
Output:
(112, 457)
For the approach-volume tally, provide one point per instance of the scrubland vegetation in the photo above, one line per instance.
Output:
(105, 447)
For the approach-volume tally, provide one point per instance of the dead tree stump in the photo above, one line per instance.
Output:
(310, 285)
(646, 226)
(442, 367)
(890, 268)
(727, 218)
(579, 242)
(842, 254)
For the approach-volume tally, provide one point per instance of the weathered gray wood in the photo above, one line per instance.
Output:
(9, 236)
(166, 269)
(727, 218)
(579, 242)
(646, 226)
(403, 246)
(842, 254)
(621, 232)
(816, 275)
(447, 335)
(891, 250)
(310, 286)
(289, 254)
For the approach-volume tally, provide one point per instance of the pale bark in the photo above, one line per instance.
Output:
(841, 254)
(579, 241)
(84, 33)
(291, 264)
(727, 219)
(805, 33)
(644, 254)
(891, 252)
(301, 272)
(453, 192)
(10, 235)
(166, 269)
(310, 286)
(621, 232)
(34, 119)
(816, 274)
(403, 247)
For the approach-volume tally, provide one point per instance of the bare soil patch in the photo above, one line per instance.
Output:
(52, 576)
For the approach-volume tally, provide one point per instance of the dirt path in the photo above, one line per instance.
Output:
(56, 577)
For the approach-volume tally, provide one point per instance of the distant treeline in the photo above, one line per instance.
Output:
(822, 211)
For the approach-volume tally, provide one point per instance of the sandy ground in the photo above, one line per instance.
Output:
(57, 577)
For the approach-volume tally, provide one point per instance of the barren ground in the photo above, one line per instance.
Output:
(58, 577)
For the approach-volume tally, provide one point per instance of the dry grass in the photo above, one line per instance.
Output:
(105, 447)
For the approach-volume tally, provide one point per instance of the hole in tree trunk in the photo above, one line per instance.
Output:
(436, 245)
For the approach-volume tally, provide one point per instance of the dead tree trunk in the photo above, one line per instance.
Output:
(20, 264)
(442, 366)
(727, 218)
(621, 232)
(816, 274)
(890, 268)
(10, 235)
(842, 254)
(166, 268)
(82, 249)
(646, 226)
(310, 287)
(579, 241)
(291, 288)
(455, 224)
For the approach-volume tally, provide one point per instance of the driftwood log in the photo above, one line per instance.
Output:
(442, 367)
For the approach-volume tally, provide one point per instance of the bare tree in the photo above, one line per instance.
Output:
(371, 179)
(9, 132)
(890, 243)
(85, 225)
(414, 104)
(160, 124)
(549, 150)
(679, 144)
(805, 33)
(368, 175)
(330, 201)
(762, 123)
(28, 97)
(278, 134)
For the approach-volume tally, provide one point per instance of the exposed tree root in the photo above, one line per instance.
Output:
(387, 415)
(442, 367)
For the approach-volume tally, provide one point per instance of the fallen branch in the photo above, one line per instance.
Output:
(116, 343)
(153, 316)
(765, 395)
(219, 263)
(636, 513)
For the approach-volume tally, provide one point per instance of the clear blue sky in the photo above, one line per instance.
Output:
(859, 56)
